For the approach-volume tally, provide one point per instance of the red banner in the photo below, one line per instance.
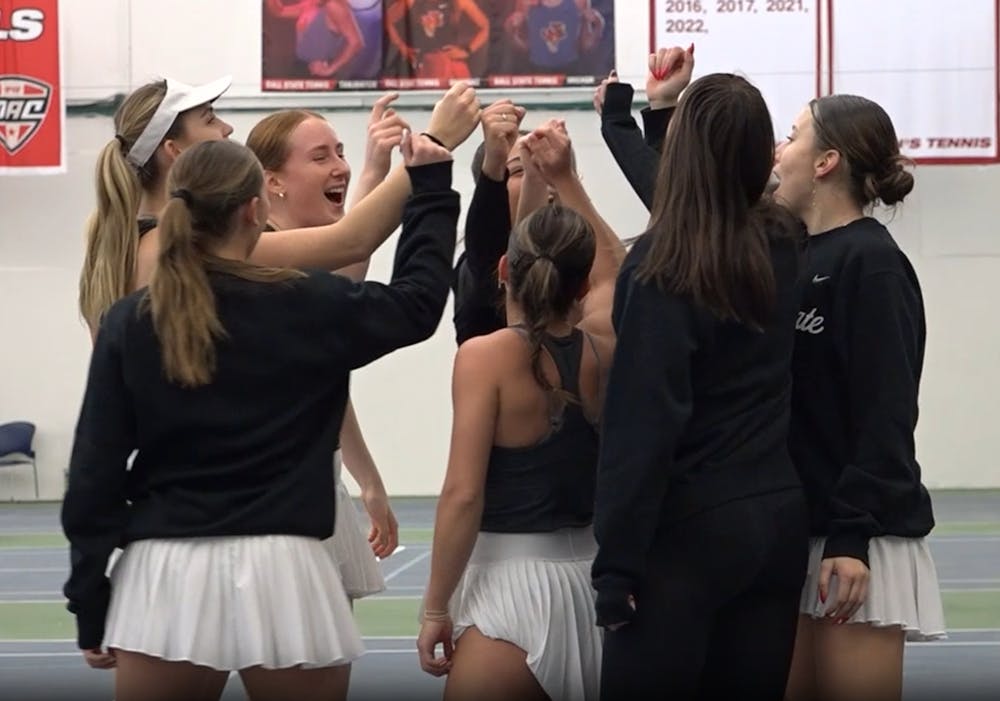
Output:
(32, 109)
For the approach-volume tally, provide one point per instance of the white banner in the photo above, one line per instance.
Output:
(931, 64)
(775, 44)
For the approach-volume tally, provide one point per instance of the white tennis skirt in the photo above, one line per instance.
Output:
(902, 588)
(349, 546)
(533, 590)
(273, 601)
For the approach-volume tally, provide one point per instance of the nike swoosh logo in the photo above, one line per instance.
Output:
(818, 279)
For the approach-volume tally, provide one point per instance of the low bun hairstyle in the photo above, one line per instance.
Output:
(890, 186)
(865, 137)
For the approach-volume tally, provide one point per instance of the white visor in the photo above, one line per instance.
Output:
(179, 98)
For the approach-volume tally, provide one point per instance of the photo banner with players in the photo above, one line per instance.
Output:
(32, 109)
(326, 45)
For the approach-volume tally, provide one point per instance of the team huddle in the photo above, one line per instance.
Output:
(680, 466)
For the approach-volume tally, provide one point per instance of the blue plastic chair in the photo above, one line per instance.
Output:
(15, 447)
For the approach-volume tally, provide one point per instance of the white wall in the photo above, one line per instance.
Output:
(948, 229)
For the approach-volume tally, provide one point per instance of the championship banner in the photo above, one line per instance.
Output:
(326, 45)
(32, 109)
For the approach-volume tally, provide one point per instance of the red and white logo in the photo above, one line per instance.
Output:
(24, 103)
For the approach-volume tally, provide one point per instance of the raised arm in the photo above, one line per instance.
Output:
(488, 223)
(364, 321)
(670, 71)
(534, 187)
(637, 161)
(385, 133)
(487, 227)
(351, 240)
(550, 149)
(638, 156)
(355, 237)
(363, 229)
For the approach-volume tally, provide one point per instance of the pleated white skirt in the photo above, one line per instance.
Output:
(902, 588)
(230, 603)
(534, 591)
(349, 546)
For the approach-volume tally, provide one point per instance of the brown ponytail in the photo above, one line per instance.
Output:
(550, 256)
(710, 227)
(209, 183)
(182, 302)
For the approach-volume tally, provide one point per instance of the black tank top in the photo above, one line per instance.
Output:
(549, 485)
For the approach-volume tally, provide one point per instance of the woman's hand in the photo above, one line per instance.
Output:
(384, 533)
(99, 659)
(433, 633)
(852, 586)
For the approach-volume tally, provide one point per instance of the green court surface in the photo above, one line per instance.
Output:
(397, 616)
(51, 621)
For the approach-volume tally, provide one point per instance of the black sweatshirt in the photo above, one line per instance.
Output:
(249, 453)
(478, 310)
(696, 415)
(859, 350)
(636, 152)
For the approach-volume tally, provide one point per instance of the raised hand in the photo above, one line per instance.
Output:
(602, 90)
(501, 123)
(419, 150)
(385, 133)
(455, 116)
(550, 150)
(669, 73)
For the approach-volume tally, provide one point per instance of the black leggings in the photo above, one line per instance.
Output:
(717, 610)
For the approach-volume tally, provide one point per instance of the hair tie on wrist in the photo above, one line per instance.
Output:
(433, 138)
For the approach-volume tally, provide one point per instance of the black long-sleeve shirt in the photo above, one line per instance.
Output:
(696, 414)
(487, 231)
(248, 453)
(859, 351)
(636, 151)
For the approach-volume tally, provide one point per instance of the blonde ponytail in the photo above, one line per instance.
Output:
(108, 271)
(112, 236)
